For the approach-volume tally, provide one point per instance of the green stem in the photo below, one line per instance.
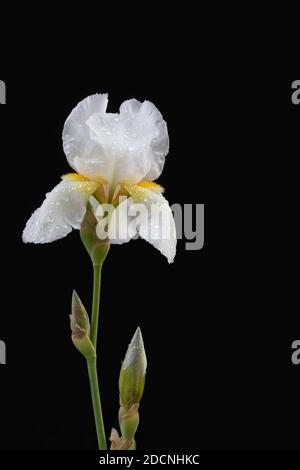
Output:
(92, 369)
(92, 362)
(96, 303)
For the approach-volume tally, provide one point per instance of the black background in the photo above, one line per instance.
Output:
(218, 324)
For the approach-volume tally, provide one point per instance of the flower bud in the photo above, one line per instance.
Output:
(96, 248)
(80, 327)
(133, 373)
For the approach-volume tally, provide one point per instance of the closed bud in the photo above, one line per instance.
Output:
(80, 327)
(80, 323)
(133, 373)
(96, 248)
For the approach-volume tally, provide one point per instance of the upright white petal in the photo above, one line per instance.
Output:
(129, 146)
(145, 122)
(84, 154)
(63, 209)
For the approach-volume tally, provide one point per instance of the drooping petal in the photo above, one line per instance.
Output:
(159, 228)
(84, 154)
(155, 219)
(63, 209)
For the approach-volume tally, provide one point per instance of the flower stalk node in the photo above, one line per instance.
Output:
(129, 421)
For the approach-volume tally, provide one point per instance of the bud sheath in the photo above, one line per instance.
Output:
(96, 248)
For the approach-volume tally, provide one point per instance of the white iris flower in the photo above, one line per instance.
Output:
(113, 155)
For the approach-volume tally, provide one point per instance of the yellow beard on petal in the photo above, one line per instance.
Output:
(82, 183)
(139, 192)
(88, 187)
(78, 177)
(151, 185)
(74, 177)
